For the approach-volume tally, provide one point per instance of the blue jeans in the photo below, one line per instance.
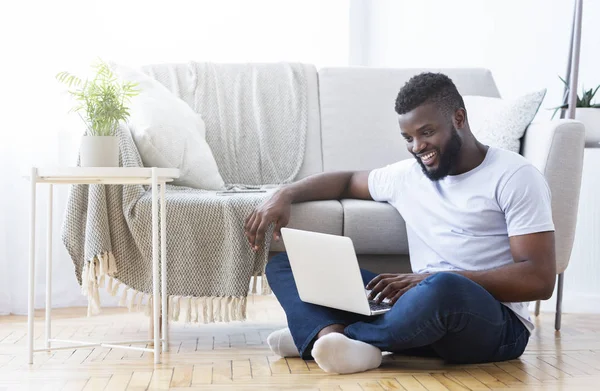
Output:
(446, 315)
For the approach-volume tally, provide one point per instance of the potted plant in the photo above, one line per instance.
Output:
(588, 113)
(103, 101)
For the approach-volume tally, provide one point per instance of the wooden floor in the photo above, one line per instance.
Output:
(235, 357)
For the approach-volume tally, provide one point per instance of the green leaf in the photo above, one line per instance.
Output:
(585, 100)
(102, 99)
(594, 93)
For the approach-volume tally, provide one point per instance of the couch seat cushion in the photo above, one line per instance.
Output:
(374, 227)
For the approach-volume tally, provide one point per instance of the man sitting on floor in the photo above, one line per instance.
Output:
(481, 240)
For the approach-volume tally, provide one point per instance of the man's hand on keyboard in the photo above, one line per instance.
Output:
(393, 286)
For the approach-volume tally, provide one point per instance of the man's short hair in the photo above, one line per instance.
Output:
(429, 87)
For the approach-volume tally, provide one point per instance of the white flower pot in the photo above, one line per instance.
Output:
(99, 151)
(590, 117)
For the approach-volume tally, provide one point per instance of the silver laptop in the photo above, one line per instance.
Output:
(326, 272)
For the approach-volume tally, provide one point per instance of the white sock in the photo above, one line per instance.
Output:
(337, 353)
(282, 343)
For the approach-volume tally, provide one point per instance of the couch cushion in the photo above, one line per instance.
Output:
(168, 133)
(501, 123)
(318, 216)
(374, 227)
(358, 123)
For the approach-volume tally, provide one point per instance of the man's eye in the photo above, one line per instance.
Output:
(408, 139)
(428, 132)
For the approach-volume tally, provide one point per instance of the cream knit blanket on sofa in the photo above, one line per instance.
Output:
(256, 120)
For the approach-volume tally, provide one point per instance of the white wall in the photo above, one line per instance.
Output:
(525, 44)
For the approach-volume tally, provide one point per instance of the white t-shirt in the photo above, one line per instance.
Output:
(463, 222)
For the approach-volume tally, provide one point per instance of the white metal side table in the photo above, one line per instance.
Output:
(107, 176)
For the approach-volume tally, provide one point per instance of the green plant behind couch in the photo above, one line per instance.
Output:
(584, 101)
(103, 99)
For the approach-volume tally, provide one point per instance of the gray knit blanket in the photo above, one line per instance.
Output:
(256, 120)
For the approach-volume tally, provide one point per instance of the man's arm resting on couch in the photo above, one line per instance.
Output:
(324, 186)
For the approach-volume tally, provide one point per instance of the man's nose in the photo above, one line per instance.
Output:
(418, 146)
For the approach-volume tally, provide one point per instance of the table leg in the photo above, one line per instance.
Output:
(30, 313)
(151, 328)
(49, 268)
(155, 281)
(163, 263)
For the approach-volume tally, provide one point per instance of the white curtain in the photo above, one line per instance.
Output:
(41, 38)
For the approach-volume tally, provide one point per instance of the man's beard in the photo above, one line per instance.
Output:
(447, 159)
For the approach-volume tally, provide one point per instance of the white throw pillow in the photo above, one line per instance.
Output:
(168, 133)
(500, 122)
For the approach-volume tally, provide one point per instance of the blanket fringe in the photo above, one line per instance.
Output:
(93, 276)
(99, 273)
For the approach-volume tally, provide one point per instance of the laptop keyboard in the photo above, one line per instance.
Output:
(377, 307)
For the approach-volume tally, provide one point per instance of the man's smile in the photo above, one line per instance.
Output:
(428, 158)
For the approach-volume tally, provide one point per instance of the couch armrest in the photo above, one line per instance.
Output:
(556, 149)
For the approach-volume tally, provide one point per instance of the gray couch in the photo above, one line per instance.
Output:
(353, 126)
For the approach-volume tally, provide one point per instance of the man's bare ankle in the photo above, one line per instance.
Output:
(334, 328)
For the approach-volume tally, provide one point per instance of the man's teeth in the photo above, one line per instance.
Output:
(428, 156)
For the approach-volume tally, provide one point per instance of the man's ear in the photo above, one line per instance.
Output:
(460, 118)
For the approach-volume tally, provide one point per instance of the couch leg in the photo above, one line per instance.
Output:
(537, 308)
(559, 296)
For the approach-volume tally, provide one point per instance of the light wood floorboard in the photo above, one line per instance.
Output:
(235, 356)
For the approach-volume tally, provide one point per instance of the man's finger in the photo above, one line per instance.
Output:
(399, 294)
(247, 220)
(375, 289)
(250, 222)
(373, 282)
(379, 287)
(260, 233)
(376, 280)
(390, 291)
(277, 231)
(252, 232)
